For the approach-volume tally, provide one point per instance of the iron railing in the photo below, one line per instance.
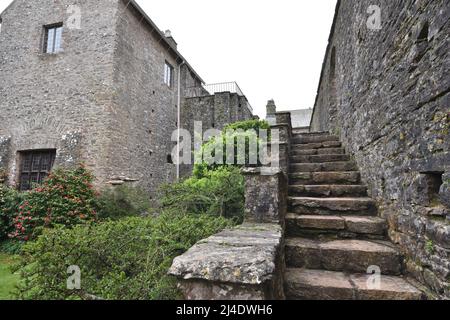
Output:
(211, 89)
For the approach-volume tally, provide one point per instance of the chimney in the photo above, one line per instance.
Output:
(271, 108)
(170, 39)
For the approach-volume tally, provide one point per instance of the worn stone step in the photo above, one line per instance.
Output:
(313, 152)
(325, 178)
(327, 190)
(343, 255)
(297, 139)
(332, 206)
(320, 158)
(326, 166)
(304, 284)
(301, 130)
(341, 226)
(317, 145)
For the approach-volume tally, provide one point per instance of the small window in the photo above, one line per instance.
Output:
(35, 167)
(52, 39)
(168, 74)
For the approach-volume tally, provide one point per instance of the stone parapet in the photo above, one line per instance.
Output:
(244, 263)
(265, 195)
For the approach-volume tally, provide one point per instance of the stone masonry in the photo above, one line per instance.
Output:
(334, 238)
(102, 100)
(385, 92)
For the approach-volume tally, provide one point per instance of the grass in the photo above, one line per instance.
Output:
(7, 279)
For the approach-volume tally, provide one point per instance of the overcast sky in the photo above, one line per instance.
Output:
(273, 49)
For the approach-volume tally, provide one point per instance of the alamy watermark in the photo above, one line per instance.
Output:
(74, 280)
(374, 19)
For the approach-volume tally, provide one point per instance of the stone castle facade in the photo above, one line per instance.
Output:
(107, 92)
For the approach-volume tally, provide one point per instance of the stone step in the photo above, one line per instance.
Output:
(325, 178)
(332, 206)
(313, 152)
(318, 133)
(320, 158)
(321, 167)
(328, 190)
(301, 130)
(338, 226)
(343, 255)
(304, 284)
(317, 145)
(304, 138)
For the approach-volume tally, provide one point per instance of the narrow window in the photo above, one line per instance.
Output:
(35, 167)
(52, 39)
(168, 74)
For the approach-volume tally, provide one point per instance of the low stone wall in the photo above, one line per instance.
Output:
(245, 263)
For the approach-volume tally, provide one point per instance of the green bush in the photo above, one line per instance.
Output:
(218, 192)
(11, 246)
(123, 201)
(124, 259)
(232, 134)
(66, 197)
(10, 200)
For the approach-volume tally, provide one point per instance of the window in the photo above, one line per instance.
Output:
(35, 167)
(52, 40)
(168, 74)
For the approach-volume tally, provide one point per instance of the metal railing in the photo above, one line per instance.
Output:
(211, 89)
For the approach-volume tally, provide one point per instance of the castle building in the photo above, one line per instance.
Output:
(95, 82)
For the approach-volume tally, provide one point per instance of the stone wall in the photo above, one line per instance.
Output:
(214, 112)
(146, 108)
(386, 92)
(246, 262)
(44, 98)
(102, 100)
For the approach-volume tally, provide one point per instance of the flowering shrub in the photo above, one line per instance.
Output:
(66, 197)
(10, 200)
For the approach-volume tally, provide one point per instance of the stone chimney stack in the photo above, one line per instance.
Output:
(271, 108)
(170, 39)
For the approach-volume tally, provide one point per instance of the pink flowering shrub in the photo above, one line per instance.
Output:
(66, 197)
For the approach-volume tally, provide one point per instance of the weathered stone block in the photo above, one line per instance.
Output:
(265, 195)
(246, 262)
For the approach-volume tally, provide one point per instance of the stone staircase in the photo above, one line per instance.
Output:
(333, 232)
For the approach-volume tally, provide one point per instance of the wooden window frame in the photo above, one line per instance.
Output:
(47, 29)
(32, 169)
(169, 74)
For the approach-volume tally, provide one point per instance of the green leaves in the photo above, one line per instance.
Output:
(219, 192)
(124, 259)
(66, 197)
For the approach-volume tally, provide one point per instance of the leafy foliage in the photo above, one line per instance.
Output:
(125, 259)
(245, 141)
(123, 201)
(10, 200)
(217, 192)
(66, 197)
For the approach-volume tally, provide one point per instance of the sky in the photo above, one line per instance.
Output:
(272, 49)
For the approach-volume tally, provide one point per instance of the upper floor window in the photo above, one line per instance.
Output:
(168, 74)
(35, 167)
(52, 39)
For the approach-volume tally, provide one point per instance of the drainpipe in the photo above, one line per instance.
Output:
(179, 118)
